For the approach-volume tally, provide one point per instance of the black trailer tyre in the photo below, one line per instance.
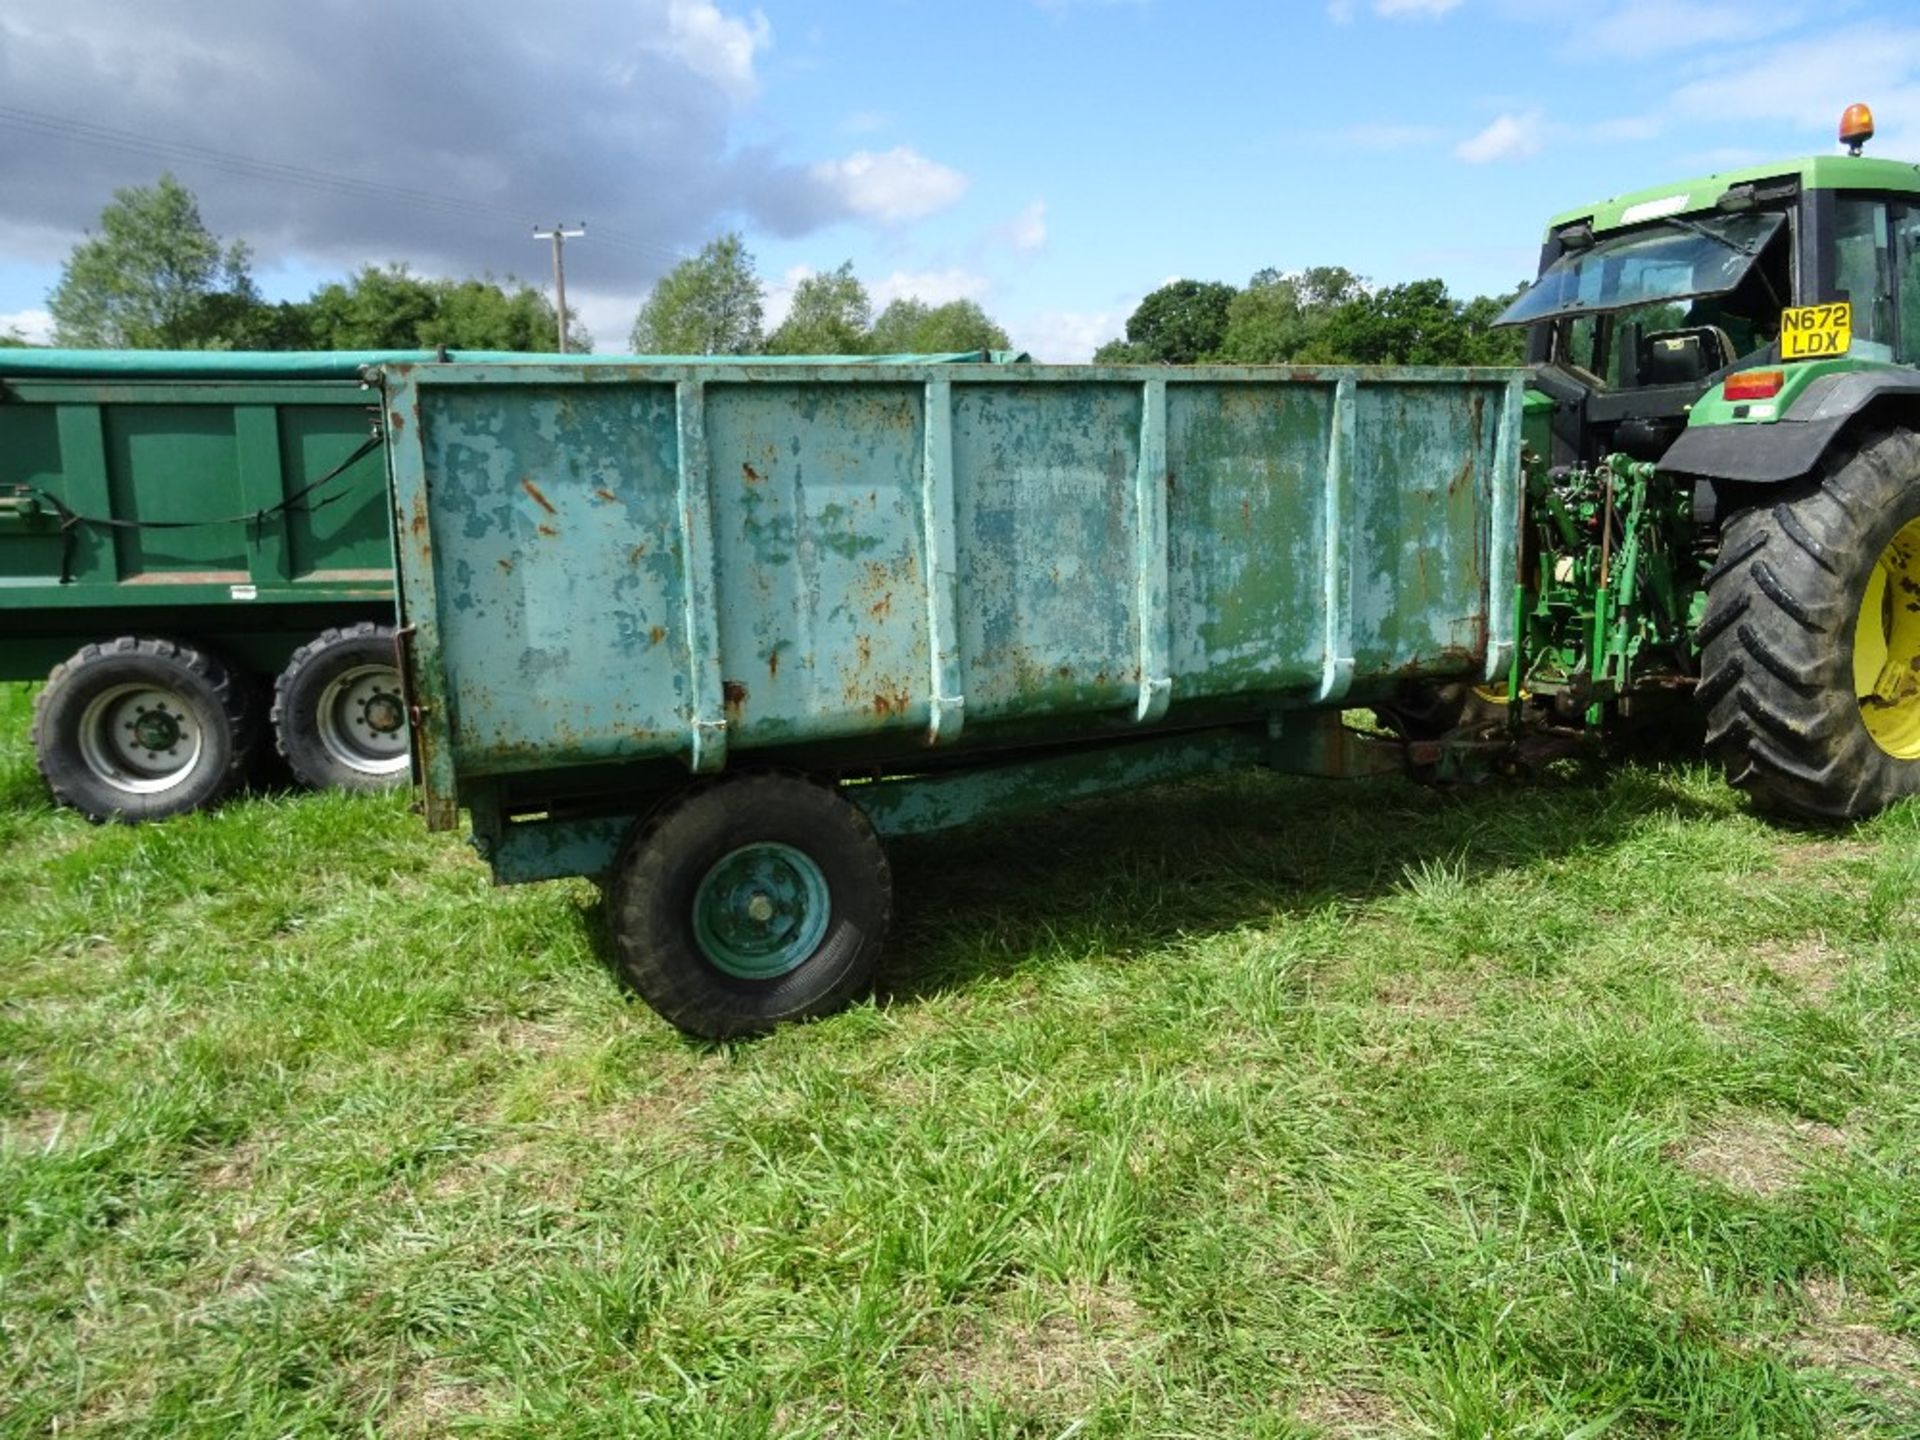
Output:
(338, 714)
(139, 729)
(750, 902)
(1811, 664)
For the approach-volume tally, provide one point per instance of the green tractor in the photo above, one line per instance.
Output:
(1723, 474)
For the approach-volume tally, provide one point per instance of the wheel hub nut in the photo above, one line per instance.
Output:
(155, 730)
(383, 714)
(760, 907)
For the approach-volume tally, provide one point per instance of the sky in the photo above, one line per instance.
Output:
(1054, 160)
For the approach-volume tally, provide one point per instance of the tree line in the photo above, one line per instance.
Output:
(153, 276)
(1323, 315)
(715, 304)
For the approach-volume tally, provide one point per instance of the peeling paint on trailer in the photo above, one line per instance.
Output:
(704, 563)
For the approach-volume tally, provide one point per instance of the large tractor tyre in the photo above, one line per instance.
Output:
(139, 729)
(1811, 670)
(750, 902)
(338, 714)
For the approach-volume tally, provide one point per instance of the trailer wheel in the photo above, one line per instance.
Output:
(139, 729)
(750, 902)
(1811, 664)
(338, 715)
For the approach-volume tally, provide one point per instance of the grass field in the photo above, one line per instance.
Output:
(1258, 1107)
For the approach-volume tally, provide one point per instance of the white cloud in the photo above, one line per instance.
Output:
(719, 47)
(865, 122)
(1637, 29)
(1068, 337)
(1341, 12)
(934, 287)
(1807, 82)
(779, 294)
(33, 325)
(608, 316)
(1027, 231)
(891, 186)
(1510, 137)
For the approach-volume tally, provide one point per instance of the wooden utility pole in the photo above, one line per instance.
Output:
(559, 234)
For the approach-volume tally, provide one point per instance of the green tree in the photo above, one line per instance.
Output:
(388, 307)
(488, 315)
(1282, 317)
(153, 277)
(381, 307)
(1413, 324)
(830, 315)
(1484, 344)
(1181, 323)
(710, 305)
(912, 327)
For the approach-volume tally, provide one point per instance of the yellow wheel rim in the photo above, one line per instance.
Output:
(1886, 647)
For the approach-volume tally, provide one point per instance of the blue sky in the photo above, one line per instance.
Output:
(1053, 159)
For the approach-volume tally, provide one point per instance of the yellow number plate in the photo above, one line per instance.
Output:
(1813, 331)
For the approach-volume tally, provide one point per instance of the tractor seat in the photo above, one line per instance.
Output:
(1684, 357)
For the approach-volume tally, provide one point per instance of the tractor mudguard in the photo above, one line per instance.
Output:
(1793, 445)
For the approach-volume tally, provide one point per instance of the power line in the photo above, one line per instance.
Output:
(181, 152)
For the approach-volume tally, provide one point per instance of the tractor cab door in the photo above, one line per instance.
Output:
(1869, 255)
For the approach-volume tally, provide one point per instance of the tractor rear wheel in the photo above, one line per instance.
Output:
(1811, 638)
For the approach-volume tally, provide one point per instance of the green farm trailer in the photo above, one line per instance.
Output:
(192, 545)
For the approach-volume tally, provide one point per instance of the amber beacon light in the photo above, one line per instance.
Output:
(1856, 127)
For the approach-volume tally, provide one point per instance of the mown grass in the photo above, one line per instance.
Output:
(1257, 1107)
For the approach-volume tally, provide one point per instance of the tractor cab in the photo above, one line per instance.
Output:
(1648, 302)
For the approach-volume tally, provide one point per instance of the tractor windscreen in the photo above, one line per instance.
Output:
(1679, 259)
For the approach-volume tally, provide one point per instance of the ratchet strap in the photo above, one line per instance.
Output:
(71, 520)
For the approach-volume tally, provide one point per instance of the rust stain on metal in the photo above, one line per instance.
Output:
(657, 634)
(421, 528)
(395, 421)
(506, 565)
(880, 607)
(547, 530)
(751, 475)
(637, 553)
(605, 494)
(733, 698)
(773, 665)
(886, 705)
(538, 499)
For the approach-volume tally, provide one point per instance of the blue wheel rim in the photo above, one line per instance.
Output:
(761, 910)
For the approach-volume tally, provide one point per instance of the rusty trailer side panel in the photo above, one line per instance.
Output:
(615, 569)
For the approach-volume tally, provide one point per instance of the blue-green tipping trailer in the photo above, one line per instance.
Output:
(193, 543)
(710, 634)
